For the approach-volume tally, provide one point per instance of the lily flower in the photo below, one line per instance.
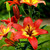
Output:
(29, 30)
(4, 30)
(13, 2)
(10, 41)
(32, 2)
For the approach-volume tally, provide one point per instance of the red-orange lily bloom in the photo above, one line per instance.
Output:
(32, 2)
(29, 30)
(4, 30)
(10, 41)
(14, 2)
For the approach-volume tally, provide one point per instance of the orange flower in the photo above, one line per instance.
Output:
(29, 30)
(10, 41)
(32, 2)
(14, 2)
(4, 30)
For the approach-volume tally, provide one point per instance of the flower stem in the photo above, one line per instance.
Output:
(24, 11)
(18, 21)
(9, 16)
(20, 44)
(30, 11)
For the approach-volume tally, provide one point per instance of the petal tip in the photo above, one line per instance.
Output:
(40, 19)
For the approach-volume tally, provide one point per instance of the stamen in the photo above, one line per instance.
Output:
(29, 31)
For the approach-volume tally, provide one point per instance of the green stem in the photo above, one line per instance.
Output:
(20, 44)
(24, 11)
(30, 11)
(9, 16)
(18, 21)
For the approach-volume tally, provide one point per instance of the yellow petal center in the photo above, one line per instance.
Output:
(6, 30)
(29, 31)
(31, 1)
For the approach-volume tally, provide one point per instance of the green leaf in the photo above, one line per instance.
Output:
(30, 11)
(43, 42)
(26, 46)
(9, 34)
(15, 42)
(43, 26)
(38, 36)
(29, 47)
(7, 6)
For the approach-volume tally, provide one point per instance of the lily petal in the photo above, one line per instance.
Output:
(5, 45)
(13, 31)
(33, 41)
(17, 27)
(42, 2)
(11, 3)
(12, 36)
(32, 2)
(37, 23)
(20, 15)
(14, 19)
(41, 31)
(10, 24)
(6, 21)
(27, 21)
(9, 41)
(1, 37)
(19, 36)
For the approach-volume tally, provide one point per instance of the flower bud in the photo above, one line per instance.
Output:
(7, 6)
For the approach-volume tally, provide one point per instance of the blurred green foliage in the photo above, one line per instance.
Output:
(44, 9)
(3, 12)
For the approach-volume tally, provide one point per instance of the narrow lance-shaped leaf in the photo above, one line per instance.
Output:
(30, 11)
(43, 42)
(43, 26)
(29, 46)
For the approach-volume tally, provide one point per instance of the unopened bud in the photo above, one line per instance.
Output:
(7, 6)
